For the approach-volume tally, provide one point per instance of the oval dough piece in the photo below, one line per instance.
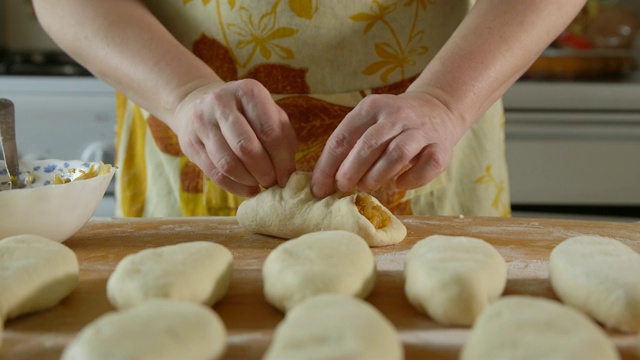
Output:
(196, 271)
(35, 274)
(453, 278)
(157, 329)
(293, 211)
(526, 327)
(322, 262)
(599, 276)
(331, 326)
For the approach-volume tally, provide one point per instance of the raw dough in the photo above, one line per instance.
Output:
(526, 327)
(293, 211)
(334, 261)
(35, 274)
(600, 276)
(453, 278)
(157, 329)
(196, 271)
(331, 326)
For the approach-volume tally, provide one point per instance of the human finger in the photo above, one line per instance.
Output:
(365, 153)
(337, 148)
(202, 160)
(225, 159)
(396, 156)
(272, 128)
(429, 163)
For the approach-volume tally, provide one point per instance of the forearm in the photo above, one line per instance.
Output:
(122, 43)
(490, 50)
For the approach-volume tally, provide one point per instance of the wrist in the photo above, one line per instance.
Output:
(184, 94)
(437, 103)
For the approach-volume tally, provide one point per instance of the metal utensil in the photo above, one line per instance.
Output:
(8, 140)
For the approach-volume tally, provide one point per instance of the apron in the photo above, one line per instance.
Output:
(318, 58)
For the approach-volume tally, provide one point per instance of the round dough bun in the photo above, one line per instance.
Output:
(453, 278)
(526, 327)
(334, 261)
(36, 273)
(157, 329)
(331, 326)
(599, 276)
(197, 271)
(293, 211)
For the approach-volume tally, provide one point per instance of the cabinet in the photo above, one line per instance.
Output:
(574, 143)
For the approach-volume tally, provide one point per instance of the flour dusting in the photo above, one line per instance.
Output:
(391, 261)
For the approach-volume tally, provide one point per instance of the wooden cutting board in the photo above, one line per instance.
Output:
(250, 320)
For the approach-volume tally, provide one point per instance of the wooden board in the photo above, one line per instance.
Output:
(250, 320)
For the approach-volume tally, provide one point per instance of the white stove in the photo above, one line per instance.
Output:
(574, 143)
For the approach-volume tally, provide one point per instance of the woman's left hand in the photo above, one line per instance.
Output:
(409, 136)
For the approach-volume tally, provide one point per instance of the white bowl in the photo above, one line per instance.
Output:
(55, 211)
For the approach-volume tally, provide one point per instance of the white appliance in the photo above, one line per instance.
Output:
(574, 143)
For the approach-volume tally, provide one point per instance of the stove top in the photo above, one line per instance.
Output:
(40, 63)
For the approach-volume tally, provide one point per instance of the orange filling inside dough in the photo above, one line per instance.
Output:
(372, 211)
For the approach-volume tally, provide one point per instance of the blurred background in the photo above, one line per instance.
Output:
(572, 120)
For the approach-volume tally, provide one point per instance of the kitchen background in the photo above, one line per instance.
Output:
(572, 121)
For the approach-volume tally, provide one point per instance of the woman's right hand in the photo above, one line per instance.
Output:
(237, 135)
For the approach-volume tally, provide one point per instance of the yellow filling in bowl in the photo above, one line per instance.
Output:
(94, 170)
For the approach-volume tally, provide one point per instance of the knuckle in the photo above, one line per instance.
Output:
(438, 162)
(216, 175)
(269, 133)
(247, 87)
(245, 147)
(338, 144)
(399, 152)
(223, 166)
(371, 101)
(198, 119)
(368, 144)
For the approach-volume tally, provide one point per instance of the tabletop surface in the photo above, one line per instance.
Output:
(524, 243)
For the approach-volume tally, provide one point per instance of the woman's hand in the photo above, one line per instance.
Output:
(237, 135)
(409, 136)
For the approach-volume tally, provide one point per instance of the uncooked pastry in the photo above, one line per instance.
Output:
(453, 278)
(331, 326)
(526, 327)
(35, 274)
(293, 211)
(334, 261)
(599, 276)
(157, 329)
(196, 271)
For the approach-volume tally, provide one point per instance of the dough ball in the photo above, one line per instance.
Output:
(196, 271)
(599, 276)
(157, 329)
(323, 262)
(293, 211)
(331, 326)
(35, 274)
(525, 327)
(453, 278)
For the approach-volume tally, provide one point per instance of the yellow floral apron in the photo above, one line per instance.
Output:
(318, 58)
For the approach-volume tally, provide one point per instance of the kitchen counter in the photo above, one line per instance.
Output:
(525, 244)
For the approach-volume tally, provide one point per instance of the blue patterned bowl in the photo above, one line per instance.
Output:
(55, 198)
